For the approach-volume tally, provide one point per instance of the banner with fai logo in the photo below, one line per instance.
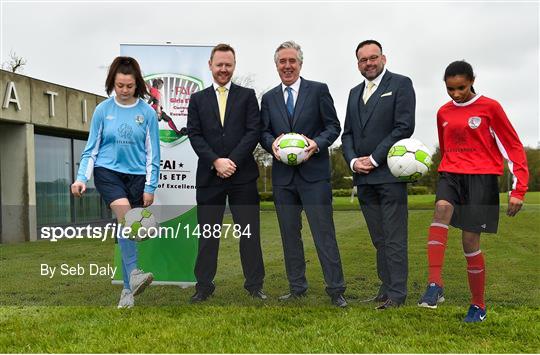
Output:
(172, 73)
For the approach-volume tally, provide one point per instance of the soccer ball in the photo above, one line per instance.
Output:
(409, 159)
(291, 149)
(142, 222)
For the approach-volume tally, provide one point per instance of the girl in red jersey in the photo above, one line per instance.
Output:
(474, 137)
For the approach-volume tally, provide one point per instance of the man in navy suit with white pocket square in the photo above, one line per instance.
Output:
(380, 112)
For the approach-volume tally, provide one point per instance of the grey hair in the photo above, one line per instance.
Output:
(293, 45)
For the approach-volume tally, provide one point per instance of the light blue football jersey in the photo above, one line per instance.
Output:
(123, 138)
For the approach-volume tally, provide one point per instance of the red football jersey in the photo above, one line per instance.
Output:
(475, 136)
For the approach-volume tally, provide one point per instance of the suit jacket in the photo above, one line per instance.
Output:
(236, 139)
(372, 128)
(314, 116)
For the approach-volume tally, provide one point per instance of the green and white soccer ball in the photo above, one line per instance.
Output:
(292, 149)
(409, 159)
(142, 224)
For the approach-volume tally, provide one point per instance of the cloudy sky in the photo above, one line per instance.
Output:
(72, 43)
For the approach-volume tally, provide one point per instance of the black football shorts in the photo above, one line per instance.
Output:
(475, 198)
(113, 185)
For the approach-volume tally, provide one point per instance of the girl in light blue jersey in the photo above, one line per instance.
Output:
(123, 154)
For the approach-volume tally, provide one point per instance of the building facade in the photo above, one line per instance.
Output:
(43, 131)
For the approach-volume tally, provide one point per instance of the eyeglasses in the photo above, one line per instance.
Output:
(373, 58)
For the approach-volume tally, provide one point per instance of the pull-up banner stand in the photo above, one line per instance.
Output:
(183, 70)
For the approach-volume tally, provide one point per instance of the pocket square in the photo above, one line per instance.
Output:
(387, 94)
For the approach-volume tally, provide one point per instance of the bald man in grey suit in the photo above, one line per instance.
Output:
(380, 112)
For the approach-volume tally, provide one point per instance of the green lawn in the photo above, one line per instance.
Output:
(78, 314)
(417, 202)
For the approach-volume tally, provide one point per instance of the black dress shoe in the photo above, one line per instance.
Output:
(380, 298)
(258, 294)
(339, 301)
(291, 296)
(388, 304)
(199, 297)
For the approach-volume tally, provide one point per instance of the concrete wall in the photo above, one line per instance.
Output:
(18, 183)
(46, 104)
(22, 88)
(41, 102)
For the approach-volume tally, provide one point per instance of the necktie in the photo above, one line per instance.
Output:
(369, 91)
(290, 102)
(222, 99)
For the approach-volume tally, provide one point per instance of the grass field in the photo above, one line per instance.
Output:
(34, 316)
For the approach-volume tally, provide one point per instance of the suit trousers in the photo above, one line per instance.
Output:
(245, 209)
(384, 207)
(315, 198)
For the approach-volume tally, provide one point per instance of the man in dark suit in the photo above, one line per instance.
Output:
(305, 107)
(224, 129)
(380, 111)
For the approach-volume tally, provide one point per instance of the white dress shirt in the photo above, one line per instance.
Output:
(295, 88)
(377, 82)
(226, 86)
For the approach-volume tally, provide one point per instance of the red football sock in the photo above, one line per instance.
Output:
(477, 277)
(437, 238)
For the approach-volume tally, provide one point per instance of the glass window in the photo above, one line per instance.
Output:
(53, 178)
(57, 163)
(90, 207)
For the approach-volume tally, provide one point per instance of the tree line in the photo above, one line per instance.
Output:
(341, 177)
